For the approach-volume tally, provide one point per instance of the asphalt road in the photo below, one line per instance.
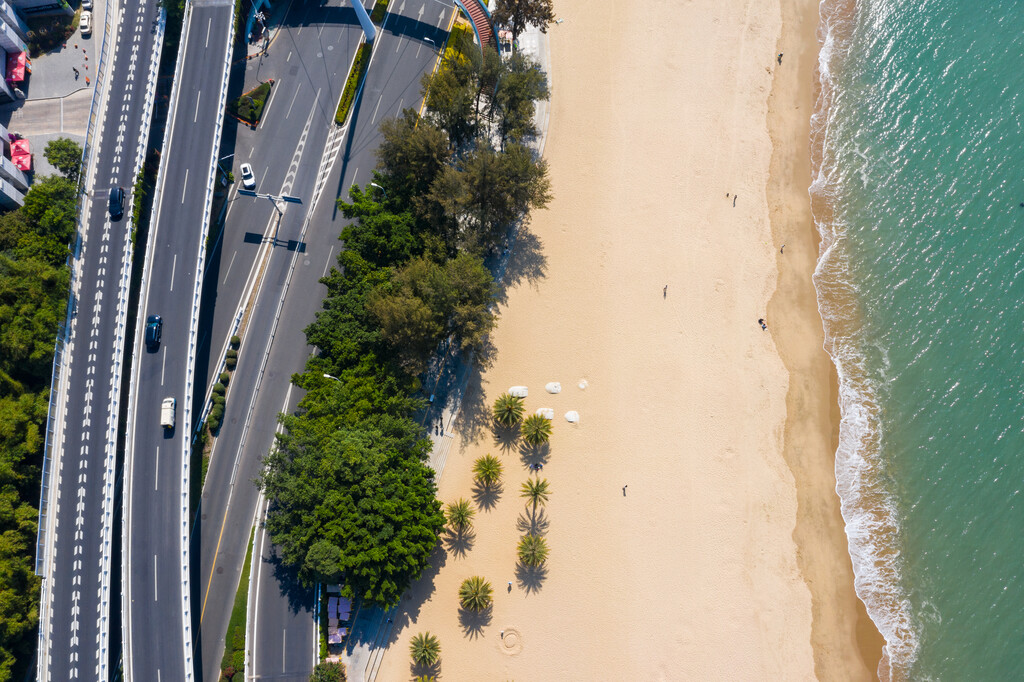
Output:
(157, 642)
(78, 643)
(274, 346)
(308, 60)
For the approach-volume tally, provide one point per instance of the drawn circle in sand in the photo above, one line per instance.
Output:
(512, 642)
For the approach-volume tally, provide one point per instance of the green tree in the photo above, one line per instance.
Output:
(65, 155)
(450, 95)
(536, 429)
(328, 672)
(412, 152)
(475, 594)
(50, 207)
(425, 649)
(536, 491)
(362, 490)
(460, 515)
(508, 410)
(532, 550)
(379, 235)
(515, 15)
(33, 302)
(487, 470)
(522, 84)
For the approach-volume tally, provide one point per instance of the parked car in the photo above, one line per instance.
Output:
(248, 179)
(85, 23)
(154, 329)
(87, 5)
(115, 203)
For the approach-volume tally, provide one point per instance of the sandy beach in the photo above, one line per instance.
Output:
(678, 152)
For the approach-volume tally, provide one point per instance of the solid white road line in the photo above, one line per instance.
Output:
(328, 263)
(293, 103)
(228, 271)
(284, 648)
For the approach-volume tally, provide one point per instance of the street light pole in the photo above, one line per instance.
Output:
(276, 200)
(374, 184)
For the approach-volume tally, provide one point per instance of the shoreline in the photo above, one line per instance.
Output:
(846, 643)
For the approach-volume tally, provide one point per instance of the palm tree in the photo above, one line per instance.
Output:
(536, 429)
(487, 470)
(536, 490)
(425, 649)
(533, 550)
(460, 515)
(475, 594)
(508, 410)
(426, 678)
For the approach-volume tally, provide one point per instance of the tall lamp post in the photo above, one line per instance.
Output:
(374, 184)
(276, 200)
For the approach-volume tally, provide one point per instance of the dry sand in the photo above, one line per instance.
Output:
(725, 558)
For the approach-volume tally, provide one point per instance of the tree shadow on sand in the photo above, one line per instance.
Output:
(459, 542)
(533, 522)
(474, 622)
(506, 439)
(486, 496)
(531, 578)
(534, 454)
(427, 671)
(526, 263)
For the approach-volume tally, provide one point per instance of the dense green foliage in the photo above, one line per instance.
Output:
(460, 515)
(352, 500)
(515, 15)
(249, 107)
(508, 410)
(425, 649)
(328, 672)
(487, 470)
(33, 303)
(65, 155)
(475, 594)
(352, 83)
(536, 429)
(532, 550)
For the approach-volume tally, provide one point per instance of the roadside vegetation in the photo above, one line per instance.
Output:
(34, 281)
(379, 9)
(355, 78)
(220, 389)
(352, 499)
(48, 32)
(232, 663)
(249, 107)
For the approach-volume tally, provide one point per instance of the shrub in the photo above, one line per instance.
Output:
(230, 363)
(225, 378)
(249, 107)
(232, 353)
(379, 8)
(355, 77)
(219, 400)
(236, 341)
(219, 389)
(238, 659)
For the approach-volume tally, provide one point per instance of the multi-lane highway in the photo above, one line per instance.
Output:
(76, 641)
(157, 624)
(274, 346)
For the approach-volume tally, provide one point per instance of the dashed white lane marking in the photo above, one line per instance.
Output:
(328, 263)
(156, 483)
(226, 272)
(163, 365)
(184, 186)
(156, 591)
(208, 24)
(198, 97)
(174, 265)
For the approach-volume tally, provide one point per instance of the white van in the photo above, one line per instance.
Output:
(167, 413)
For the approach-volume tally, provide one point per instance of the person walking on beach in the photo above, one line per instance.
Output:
(664, 292)
(761, 322)
(624, 489)
(780, 59)
(734, 198)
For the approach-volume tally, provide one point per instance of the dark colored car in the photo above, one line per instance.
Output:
(115, 203)
(154, 326)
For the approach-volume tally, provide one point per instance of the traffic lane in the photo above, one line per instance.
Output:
(284, 623)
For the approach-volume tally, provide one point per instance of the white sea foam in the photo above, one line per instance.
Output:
(868, 509)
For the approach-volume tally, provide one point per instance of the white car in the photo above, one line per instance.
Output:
(85, 23)
(87, 4)
(248, 179)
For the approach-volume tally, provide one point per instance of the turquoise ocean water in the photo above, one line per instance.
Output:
(918, 140)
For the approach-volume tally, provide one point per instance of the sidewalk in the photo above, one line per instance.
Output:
(448, 376)
(57, 103)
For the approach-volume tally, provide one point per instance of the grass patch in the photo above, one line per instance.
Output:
(47, 33)
(249, 107)
(355, 77)
(459, 40)
(233, 661)
(379, 8)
